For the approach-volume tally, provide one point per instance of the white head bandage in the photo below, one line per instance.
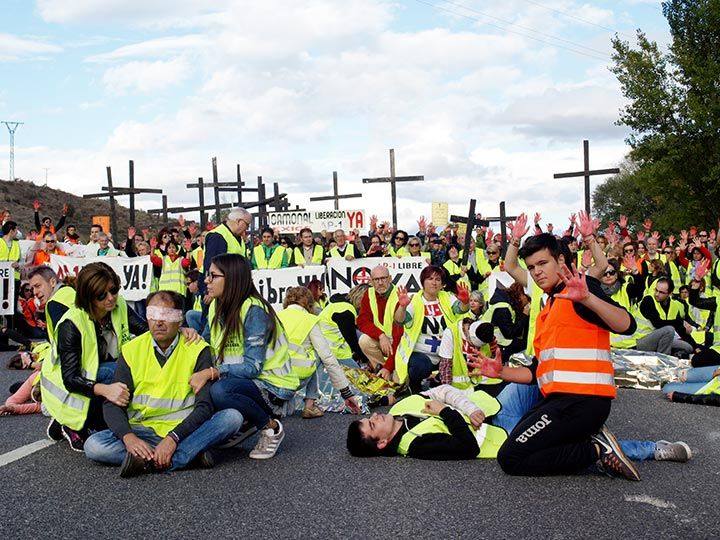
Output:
(472, 334)
(171, 315)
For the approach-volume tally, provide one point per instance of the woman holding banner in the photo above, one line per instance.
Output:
(253, 362)
(89, 337)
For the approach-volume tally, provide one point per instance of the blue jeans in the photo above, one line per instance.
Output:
(324, 384)
(312, 390)
(695, 379)
(517, 399)
(244, 396)
(106, 372)
(194, 320)
(105, 447)
(419, 368)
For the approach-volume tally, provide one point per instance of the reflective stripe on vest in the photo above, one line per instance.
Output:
(276, 258)
(389, 313)
(298, 324)
(277, 369)
(410, 336)
(573, 354)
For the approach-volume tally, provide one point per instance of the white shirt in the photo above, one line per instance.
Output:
(433, 326)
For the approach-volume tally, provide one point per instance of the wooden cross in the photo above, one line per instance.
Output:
(111, 192)
(586, 173)
(471, 221)
(392, 179)
(336, 196)
(503, 219)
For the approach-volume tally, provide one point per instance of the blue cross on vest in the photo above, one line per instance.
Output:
(434, 343)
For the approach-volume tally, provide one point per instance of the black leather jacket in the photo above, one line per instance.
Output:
(69, 344)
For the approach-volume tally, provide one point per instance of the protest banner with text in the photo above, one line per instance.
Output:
(7, 289)
(135, 272)
(343, 275)
(317, 220)
(272, 284)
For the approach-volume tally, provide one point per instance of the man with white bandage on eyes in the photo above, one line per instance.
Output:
(165, 425)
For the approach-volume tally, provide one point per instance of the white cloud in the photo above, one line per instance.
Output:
(159, 47)
(146, 77)
(13, 48)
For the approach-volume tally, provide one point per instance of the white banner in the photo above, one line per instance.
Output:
(7, 288)
(343, 275)
(317, 220)
(135, 272)
(71, 250)
(272, 284)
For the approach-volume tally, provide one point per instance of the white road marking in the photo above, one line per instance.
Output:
(24, 451)
(647, 499)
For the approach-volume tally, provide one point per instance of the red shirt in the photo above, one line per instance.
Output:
(367, 326)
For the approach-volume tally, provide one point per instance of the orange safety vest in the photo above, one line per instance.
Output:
(573, 354)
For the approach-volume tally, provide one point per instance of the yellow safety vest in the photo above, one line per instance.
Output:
(198, 255)
(645, 327)
(618, 341)
(10, 254)
(460, 375)
(277, 369)
(349, 251)
(317, 257)
(331, 330)
(65, 296)
(162, 396)
(172, 277)
(423, 254)
(401, 252)
(411, 334)
(276, 259)
(70, 409)
(453, 269)
(386, 325)
(298, 324)
(234, 246)
(536, 294)
(489, 438)
(488, 315)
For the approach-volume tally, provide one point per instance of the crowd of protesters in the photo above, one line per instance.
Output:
(106, 370)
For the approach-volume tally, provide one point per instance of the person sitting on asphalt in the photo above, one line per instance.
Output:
(308, 347)
(57, 297)
(254, 369)
(445, 423)
(164, 424)
(89, 338)
(700, 386)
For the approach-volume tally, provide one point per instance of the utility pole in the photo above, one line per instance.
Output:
(46, 170)
(12, 128)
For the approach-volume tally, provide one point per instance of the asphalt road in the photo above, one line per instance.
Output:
(314, 489)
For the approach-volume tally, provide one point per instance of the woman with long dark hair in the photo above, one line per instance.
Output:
(252, 357)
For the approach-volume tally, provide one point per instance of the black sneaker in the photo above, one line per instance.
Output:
(613, 461)
(54, 431)
(77, 442)
(134, 466)
(204, 460)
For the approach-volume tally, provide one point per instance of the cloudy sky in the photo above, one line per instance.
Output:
(485, 98)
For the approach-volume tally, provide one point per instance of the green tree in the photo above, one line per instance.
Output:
(673, 111)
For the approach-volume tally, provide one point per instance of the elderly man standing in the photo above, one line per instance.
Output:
(343, 248)
(380, 337)
(165, 424)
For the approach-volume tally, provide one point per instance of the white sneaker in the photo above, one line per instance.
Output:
(675, 451)
(268, 444)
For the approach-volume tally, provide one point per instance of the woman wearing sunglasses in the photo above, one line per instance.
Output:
(396, 247)
(627, 292)
(414, 249)
(89, 338)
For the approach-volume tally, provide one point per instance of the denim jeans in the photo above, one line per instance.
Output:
(194, 320)
(419, 368)
(106, 372)
(244, 396)
(105, 447)
(695, 379)
(312, 390)
(517, 399)
(324, 384)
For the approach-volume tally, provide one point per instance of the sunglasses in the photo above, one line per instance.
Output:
(668, 252)
(492, 252)
(414, 245)
(610, 273)
(632, 250)
(112, 290)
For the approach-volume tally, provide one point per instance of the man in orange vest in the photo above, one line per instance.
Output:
(565, 433)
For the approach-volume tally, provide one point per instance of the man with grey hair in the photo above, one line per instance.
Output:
(228, 237)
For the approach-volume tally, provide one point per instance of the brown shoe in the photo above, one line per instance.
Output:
(312, 412)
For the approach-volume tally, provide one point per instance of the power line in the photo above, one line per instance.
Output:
(599, 55)
(12, 128)
(569, 15)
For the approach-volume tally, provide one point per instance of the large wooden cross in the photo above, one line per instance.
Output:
(586, 173)
(503, 218)
(336, 196)
(110, 192)
(471, 221)
(392, 179)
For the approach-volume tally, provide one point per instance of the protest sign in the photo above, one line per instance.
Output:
(343, 275)
(272, 284)
(7, 288)
(135, 272)
(317, 221)
(439, 214)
